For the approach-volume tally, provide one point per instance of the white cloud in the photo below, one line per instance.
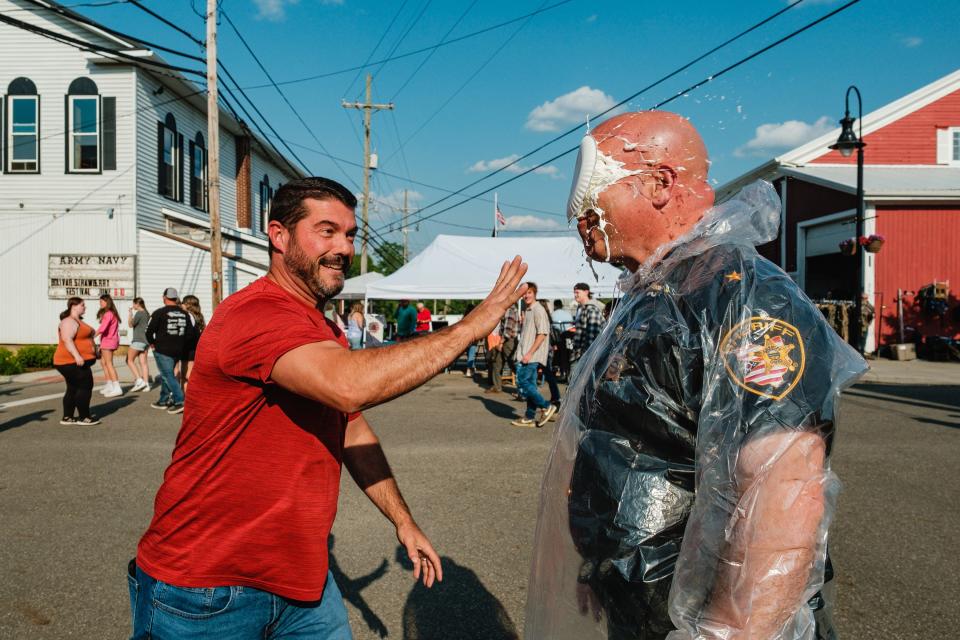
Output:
(783, 135)
(569, 108)
(592, 18)
(911, 41)
(515, 223)
(276, 10)
(500, 163)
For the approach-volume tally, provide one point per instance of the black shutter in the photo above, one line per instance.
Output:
(193, 184)
(161, 169)
(108, 133)
(180, 166)
(66, 137)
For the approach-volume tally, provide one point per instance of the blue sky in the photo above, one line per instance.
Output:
(507, 91)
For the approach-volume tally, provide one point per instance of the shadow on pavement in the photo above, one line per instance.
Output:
(459, 608)
(947, 396)
(497, 408)
(36, 416)
(350, 589)
(943, 423)
(104, 409)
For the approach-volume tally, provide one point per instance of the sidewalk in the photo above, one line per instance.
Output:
(51, 375)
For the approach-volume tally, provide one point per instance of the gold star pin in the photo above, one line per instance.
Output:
(733, 276)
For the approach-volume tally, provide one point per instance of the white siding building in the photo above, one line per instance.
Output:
(103, 177)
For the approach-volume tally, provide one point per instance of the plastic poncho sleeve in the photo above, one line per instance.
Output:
(754, 549)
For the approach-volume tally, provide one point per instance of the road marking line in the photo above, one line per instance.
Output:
(21, 403)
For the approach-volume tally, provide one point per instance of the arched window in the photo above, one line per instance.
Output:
(169, 159)
(198, 173)
(23, 127)
(83, 126)
(266, 199)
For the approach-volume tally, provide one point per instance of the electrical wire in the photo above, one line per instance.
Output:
(416, 51)
(483, 65)
(172, 25)
(403, 36)
(679, 94)
(650, 86)
(375, 47)
(282, 94)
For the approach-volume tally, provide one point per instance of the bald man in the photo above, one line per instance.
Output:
(689, 489)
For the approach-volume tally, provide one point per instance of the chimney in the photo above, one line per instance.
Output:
(244, 217)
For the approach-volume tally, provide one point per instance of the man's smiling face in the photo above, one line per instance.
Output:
(321, 246)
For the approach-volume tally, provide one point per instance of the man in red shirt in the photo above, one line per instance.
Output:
(237, 547)
(424, 318)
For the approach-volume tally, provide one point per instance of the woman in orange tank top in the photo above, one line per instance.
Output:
(74, 359)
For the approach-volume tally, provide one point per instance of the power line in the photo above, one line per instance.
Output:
(622, 102)
(89, 46)
(172, 25)
(415, 52)
(692, 87)
(375, 47)
(433, 51)
(403, 36)
(280, 91)
(477, 72)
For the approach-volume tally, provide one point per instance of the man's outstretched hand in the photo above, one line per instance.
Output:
(426, 562)
(504, 295)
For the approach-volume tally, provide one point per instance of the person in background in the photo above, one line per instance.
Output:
(588, 323)
(191, 304)
(73, 359)
(424, 318)
(169, 333)
(561, 337)
(532, 354)
(109, 334)
(355, 326)
(406, 321)
(866, 318)
(549, 375)
(506, 347)
(138, 318)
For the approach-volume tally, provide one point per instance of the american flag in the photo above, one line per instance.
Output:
(500, 219)
(755, 371)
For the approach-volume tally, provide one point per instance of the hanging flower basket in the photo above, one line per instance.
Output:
(848, 247)
(872, 243)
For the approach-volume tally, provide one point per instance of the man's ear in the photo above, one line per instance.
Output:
(278, 236)
(666, 180)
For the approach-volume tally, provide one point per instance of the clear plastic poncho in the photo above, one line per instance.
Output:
(696, 425)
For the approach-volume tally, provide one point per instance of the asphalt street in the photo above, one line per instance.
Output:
(74, 500)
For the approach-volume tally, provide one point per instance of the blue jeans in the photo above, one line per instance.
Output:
(161, 611)
(170, 390)
(527, 381)
(471, 356)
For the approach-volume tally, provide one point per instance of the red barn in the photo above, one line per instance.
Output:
(912, 199)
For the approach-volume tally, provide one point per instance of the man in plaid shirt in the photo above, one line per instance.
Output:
(588, 323)
(504, 352)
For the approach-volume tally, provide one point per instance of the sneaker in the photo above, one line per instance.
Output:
(105, 389)
(90, 421)
(137, 385)
(114, 391)
(524, 422)
(161, 405)
(546, 414)
(67, 421)
(175, 408)
(146, 386)
(468, 373)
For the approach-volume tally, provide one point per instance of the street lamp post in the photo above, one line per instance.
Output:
(846, 144)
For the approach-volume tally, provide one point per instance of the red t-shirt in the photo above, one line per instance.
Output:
(423, 319)
(251, 492)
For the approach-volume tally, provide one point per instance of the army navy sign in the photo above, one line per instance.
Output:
(91, 276)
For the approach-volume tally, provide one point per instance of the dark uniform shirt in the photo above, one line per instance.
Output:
(723, 348)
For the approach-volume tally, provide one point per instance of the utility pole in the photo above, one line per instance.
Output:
(368, 108)
(404, 228)
(213, 153)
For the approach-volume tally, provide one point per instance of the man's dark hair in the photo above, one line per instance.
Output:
(533, 286)
(558, 304)
(287, 206)
(582, 286)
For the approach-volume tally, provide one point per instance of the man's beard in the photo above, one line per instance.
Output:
(297, 262)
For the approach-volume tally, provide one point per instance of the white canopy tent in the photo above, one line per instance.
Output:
(356, 288)
(465, 268)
